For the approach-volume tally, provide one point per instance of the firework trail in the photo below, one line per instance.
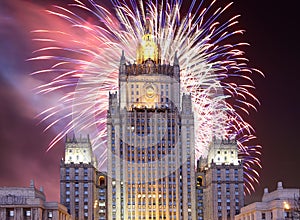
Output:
(213, 71)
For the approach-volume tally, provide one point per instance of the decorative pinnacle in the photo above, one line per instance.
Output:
(123, 57)
(176, 61)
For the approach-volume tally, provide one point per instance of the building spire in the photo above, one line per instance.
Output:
(122, 61)
(148, 49)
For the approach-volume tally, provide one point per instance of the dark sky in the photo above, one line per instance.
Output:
(271, 29)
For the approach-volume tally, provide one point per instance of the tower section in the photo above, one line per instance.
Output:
(222, 183)
(150, 141)
(78, 179)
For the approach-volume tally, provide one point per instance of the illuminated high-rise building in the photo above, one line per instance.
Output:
(220, 182)
(150, 129)
(79, 180)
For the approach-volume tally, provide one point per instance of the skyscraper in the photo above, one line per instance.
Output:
(150, 140)
(79, 180)
(221, 179)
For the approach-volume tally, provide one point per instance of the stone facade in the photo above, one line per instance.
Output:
(79, 180)
(221, 174)
(28, 203)
(102, 195)
(150, 125)
(280, 204)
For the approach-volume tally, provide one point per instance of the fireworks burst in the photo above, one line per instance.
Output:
(213, 71)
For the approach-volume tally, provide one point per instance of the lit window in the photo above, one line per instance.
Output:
(11, 213)
(50, 214)
(27, 213)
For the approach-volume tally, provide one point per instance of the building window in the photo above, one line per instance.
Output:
(27, 213)
(263, 215)
(50, 214)
(287, 214)
(10, 213)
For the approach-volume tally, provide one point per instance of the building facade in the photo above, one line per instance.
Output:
(221, 175)
(29, 203)
(102, 195)
(281, 204)
(200, 184)
(79, 182)
(150, 127)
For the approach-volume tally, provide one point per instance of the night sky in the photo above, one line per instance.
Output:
(271, 29)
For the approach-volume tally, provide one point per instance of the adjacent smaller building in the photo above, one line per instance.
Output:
(279, 204)
(82, 186)
(220, 184)
(78, 179)
(29, 203)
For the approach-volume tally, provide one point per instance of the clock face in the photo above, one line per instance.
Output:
(150, 91)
